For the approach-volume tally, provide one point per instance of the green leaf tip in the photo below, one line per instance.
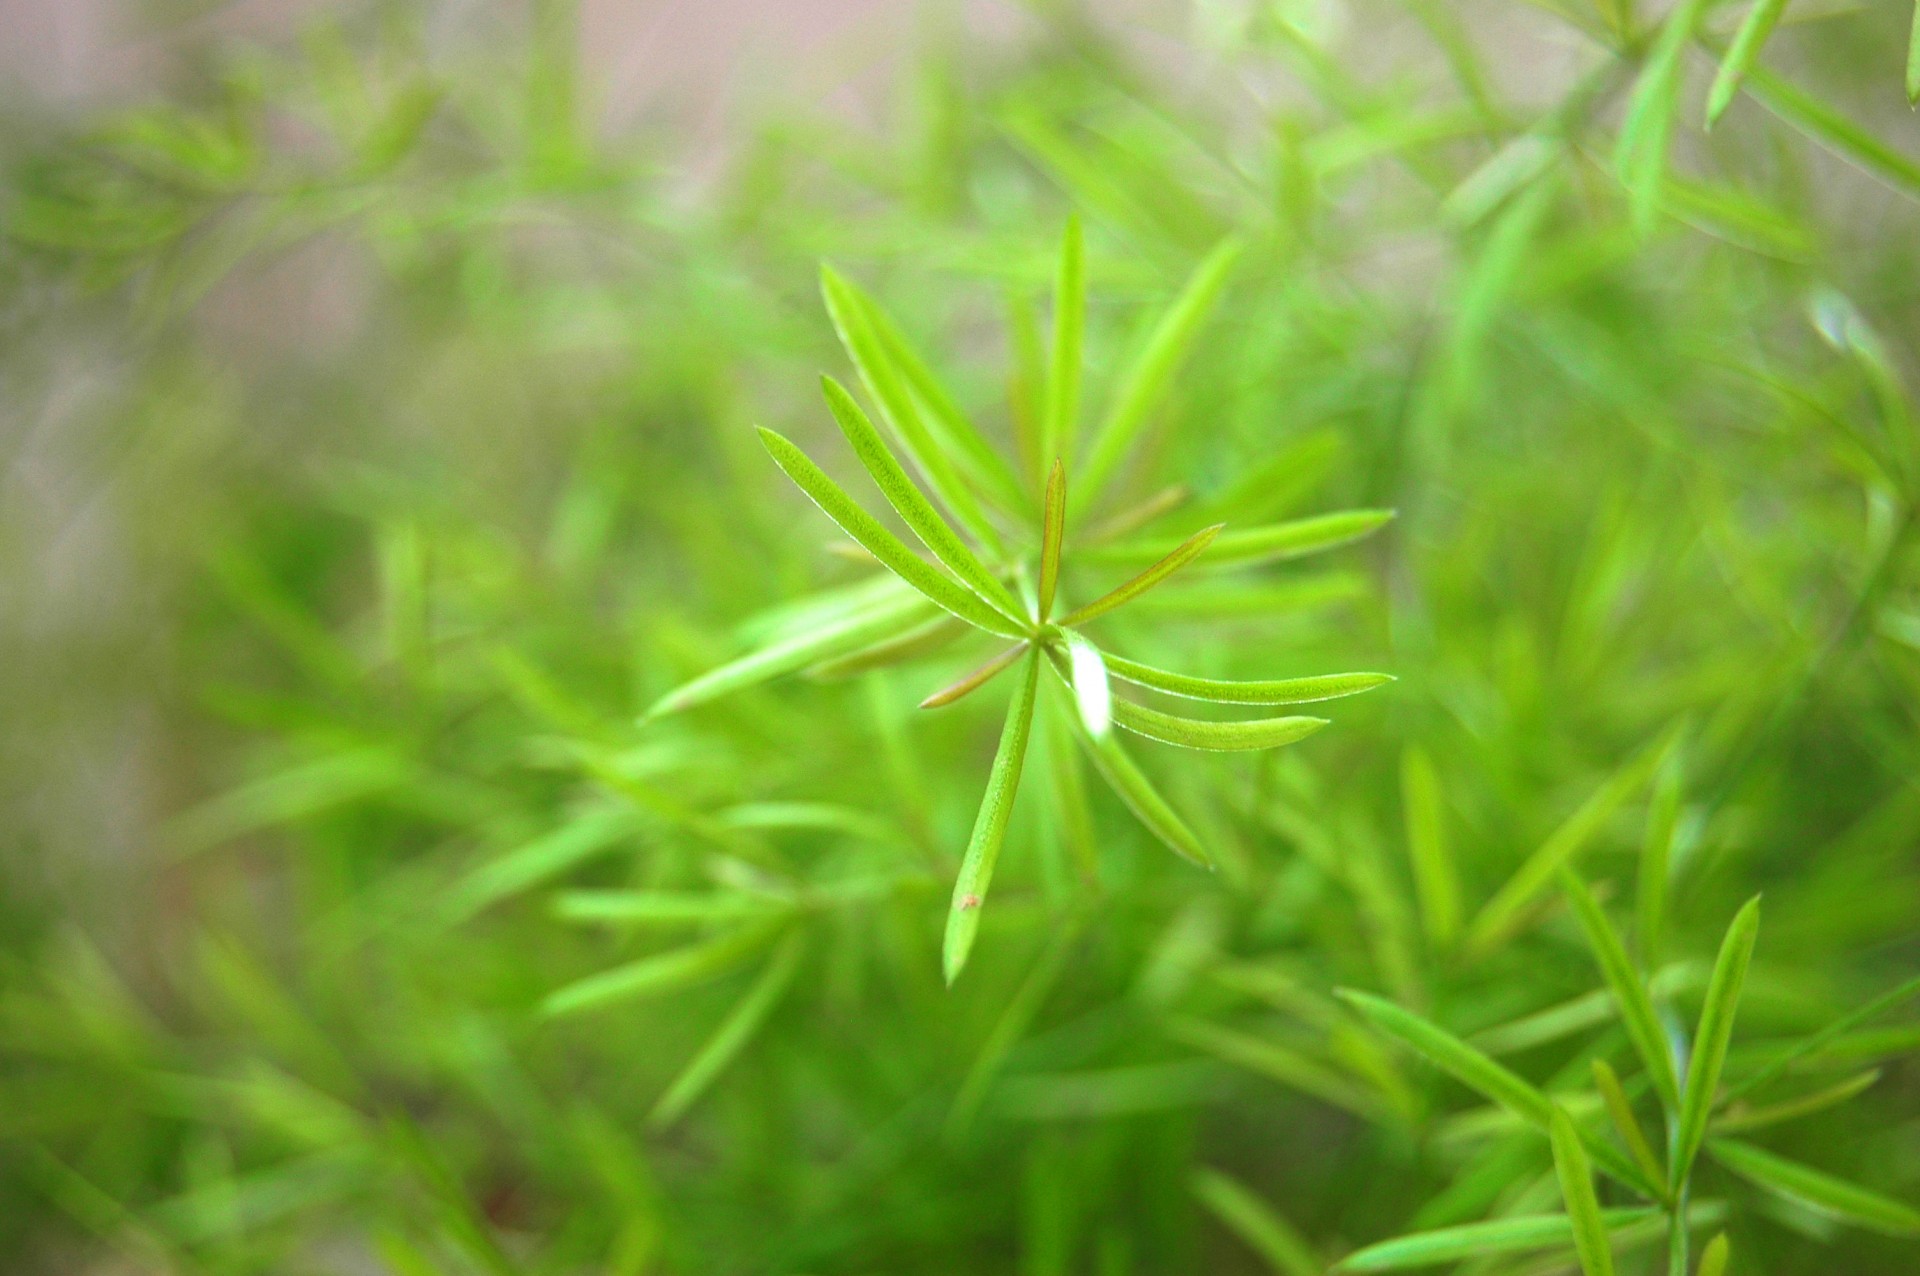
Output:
(990, 825)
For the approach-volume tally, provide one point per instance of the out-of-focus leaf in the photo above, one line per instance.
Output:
(1620, 1111)
(1145, 382)
(1065, 360)
(1817, 1190)
(1740, 1120)
(1583, 1206)
(1762, 17)
(1280, 1062)
(1629, 990)
(1258, 1224)
(732, 1036)
(1477, 1240)
(1053, 530)
(664, 972)
(1435, 878)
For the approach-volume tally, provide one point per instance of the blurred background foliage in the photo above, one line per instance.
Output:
(378, 447)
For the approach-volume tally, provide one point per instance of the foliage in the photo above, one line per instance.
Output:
(465, 814)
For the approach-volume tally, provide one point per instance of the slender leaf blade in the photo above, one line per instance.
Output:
(1188, 550)
(892, 552)
(1761, 18)
(1143, 386)
(990, 824)
(733, 1035)
(1069, 325)
(1053, 530)
(1277, 691)
(1817, 1189)
(1576, 1188)
(1630, 993)
(906, 498)
(1714, 1035)
(1197, 733)
(1475, 1240)
(1436, 880)
(1257, 1223)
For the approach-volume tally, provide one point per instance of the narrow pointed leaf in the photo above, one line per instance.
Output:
(1257, 1224)
(1143, 386)
(1576, 1188)
(934, 635)
(1836, 132)
(906, 498)
(1641, 153)
(1435, 878)
(1277, 1061)
(1715, 1032)
(1091, 691)
(1196, 733)
(1480, 1073)
(1815, 1042)
(848, 310)
(1127, 781)
(970, 450)
(664, 972)
(1503, 914)
(663, 908)
(1629, 991)
(973, 681)
(1913, 58)
(1275, 541)
(1475, 1240)
(1053, 528)
(1453, 1056)
(883, 544)
(1069, 322)
(1620, 1111)
(1713, 1259)
(732, 1036)
(1656, 858)
(1752, 37)
(1817, 1190)
(990, 824)
(1738, 1121)
(794, 653)
(1185, 553)
(1223, 691)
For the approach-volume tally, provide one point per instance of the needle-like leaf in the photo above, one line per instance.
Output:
(936, 634)
(1476, 1240)
(1761, 18)
(1256, 1223)
(1641, 152)
(1476, 1071)
(1143, 386)
(1817, 1041)
(884, 622)
(1126, 779)
(1817, 1190)
(1295, 538)
(1223, 691)
(884, 545)
(1069, 322)
(1503, 914)
(990, 824)
(663, 908)
(1435, 878)
(1629, 990)
(1053, 529)
(1715, 1032)
(1913, 58)
(1656, 857)
(1620, 1111)
(664, 972)
(973, 681)
(1196, 733)
(851, 319)
(906, 498)
(1188, 550)
(1740, 1120)
(732, 1036)
(1576, 1188)
(1713, 1259)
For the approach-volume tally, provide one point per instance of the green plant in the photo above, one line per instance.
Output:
(887, 628)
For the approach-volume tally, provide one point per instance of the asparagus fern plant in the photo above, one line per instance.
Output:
(1004, 569)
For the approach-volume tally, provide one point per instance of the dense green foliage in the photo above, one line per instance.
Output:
(464, 811)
